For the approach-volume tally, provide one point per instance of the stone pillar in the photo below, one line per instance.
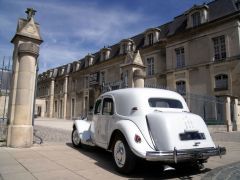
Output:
(228, 114)
(51, 99)
(138, 78)
(26, 50)
(21, 130)
(65, 97)
(236, 115)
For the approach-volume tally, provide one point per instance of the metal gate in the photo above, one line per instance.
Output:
(5, 82)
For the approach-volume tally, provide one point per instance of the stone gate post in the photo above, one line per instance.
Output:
(26, 50)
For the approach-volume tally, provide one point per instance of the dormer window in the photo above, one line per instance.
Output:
(152, 36)
(62, 71)
(89, 60)
(196, 19)
(150, 39)
(127, 45)
(105, 54)
(197, 15)
(237, 3)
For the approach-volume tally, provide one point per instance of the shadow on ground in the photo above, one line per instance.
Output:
(144, 169)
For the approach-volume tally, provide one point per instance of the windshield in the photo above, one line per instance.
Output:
(165, 103)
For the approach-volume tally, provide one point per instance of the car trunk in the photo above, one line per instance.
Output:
(179, 130)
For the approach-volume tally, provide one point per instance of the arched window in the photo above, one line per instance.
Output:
(221, 82)
(181, 87)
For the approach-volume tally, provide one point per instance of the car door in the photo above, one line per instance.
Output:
(105, 118)
(96, 121)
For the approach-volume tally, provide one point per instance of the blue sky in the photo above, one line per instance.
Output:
(73, 28)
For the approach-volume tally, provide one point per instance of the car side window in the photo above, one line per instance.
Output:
(97, 109)
(108, 106)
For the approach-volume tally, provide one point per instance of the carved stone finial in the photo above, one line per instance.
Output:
(30, 13)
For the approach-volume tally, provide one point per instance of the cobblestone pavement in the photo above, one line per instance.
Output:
(45, 134)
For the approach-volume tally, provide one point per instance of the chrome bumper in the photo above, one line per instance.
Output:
(176, 156)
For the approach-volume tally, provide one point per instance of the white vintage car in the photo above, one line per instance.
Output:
(150, 124)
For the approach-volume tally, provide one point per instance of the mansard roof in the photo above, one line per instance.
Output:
(216, 10)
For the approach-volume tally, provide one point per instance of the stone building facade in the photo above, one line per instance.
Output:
(196, 53)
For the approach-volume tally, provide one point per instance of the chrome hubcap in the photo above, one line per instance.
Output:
(119, 153)
(76, 139)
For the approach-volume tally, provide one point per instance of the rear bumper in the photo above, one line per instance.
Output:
(176, 156)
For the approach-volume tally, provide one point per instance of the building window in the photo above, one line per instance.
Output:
(181, 87)
(102, 81)
(124, 48)
(73, 84)
(150, 39)
(180, 57)
(86, 82)
(73, 108)
(196, 19)
(150, 66)
(55, 106)
(219, 48)
(221, 82)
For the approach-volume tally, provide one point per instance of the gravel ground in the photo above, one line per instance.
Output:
(44, 134)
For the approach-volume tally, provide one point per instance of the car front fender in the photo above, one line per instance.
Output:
(83, 128)
(129, 129)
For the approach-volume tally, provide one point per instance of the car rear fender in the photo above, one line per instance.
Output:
(129, 130)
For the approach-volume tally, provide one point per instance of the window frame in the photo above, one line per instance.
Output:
(97, 105)
(180, 57)
(183, 87)
(150, 38)
(219, 47)
(150, 66)
(196, 19)
(221, 82)
(106, 100)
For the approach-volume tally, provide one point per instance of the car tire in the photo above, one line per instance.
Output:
(123, 157)
(76, 141)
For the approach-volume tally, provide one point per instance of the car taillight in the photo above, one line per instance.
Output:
(137, 138)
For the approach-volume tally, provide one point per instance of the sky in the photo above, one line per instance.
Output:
(73, 28)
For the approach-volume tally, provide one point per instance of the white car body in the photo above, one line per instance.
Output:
(165, 132)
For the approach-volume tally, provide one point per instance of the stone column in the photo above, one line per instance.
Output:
(228, 114)
(51, 99)
(21, 130)
(138, 78)
(65, 97)
(26, 50)
(236, 115)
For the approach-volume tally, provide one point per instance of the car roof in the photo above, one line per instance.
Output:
(151, 92)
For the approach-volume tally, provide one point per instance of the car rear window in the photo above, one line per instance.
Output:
(165, 103)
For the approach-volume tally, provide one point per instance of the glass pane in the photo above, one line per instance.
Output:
(164, 103)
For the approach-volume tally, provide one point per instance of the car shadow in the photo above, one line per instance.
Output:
(144, 169)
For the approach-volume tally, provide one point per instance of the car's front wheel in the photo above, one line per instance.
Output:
(124, 159)
(76, 141)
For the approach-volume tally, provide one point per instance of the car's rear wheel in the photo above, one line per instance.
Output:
(76, 141)
(124, 159)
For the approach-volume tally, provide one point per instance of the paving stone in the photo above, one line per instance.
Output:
(18, 176)
(58, 175)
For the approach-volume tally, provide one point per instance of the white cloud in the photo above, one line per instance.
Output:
(70, 32)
